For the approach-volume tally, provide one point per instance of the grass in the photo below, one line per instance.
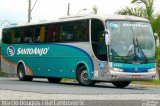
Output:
(154, 82)
(158, 54)
(68, 80)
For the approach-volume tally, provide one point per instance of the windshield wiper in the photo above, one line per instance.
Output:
(137, 51)
(141, 51)
(135, 47)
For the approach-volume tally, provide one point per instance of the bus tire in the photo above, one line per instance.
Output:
(54, 80)
(21, 74)
(121, 84)
(82, 77)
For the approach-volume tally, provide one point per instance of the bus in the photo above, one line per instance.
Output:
(90, 48)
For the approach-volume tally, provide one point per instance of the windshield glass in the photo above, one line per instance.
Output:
(131, 42)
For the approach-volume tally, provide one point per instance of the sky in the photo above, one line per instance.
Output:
(16, 11)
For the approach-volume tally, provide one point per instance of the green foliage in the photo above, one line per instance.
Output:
(139, 12)
(68, 80)
(154, 82)
(158, 54)
(146, 12)
(149, 8)
(156, 24)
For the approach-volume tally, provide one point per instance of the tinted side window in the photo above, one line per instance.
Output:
(36, 37)
(28, 35)
(52, 33)
(23, 35)
(97, 27)
(16, 36)
(6, 34)
(82, 30)
(75, 31)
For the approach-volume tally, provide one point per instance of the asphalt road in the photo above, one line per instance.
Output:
(43, 86)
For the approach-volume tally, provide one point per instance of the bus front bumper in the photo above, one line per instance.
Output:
(126, 76)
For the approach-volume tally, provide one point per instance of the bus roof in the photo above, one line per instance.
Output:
(80, 17)
(105, 17)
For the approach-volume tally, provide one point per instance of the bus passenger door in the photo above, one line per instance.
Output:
(102, 56)
(102, 48)
(99, 49)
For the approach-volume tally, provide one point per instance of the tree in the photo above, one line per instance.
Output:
(139, 12)
(146, 12)
(156, 24)
(149, 9)
(95, 10)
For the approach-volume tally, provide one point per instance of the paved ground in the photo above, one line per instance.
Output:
(40, 89)
(18, 95)
(42, 86)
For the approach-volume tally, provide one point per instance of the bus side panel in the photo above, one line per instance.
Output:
(62, 60)
(46, 60)
(8, 66)
(10, 59)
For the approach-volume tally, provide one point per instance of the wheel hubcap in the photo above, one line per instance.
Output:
(84, 76)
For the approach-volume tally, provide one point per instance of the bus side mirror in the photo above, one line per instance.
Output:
(156, 39)
(107, 37)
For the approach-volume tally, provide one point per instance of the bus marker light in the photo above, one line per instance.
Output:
(87, 62)
(152, 70)
(93, 56)
(48, 70)
(72, 71)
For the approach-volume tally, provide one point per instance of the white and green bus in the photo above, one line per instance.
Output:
(113, 48)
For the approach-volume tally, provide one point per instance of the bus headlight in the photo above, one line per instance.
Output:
(152, 70)
(117, 69)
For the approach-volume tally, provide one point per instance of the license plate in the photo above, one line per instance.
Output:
(136, 76)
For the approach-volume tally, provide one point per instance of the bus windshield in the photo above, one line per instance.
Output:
(131, 42)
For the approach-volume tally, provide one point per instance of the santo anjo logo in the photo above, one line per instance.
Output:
(10, 51)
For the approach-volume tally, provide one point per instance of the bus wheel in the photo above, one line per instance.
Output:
(82, 77)
(121, 84)
(54, 80)
(21, 74)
